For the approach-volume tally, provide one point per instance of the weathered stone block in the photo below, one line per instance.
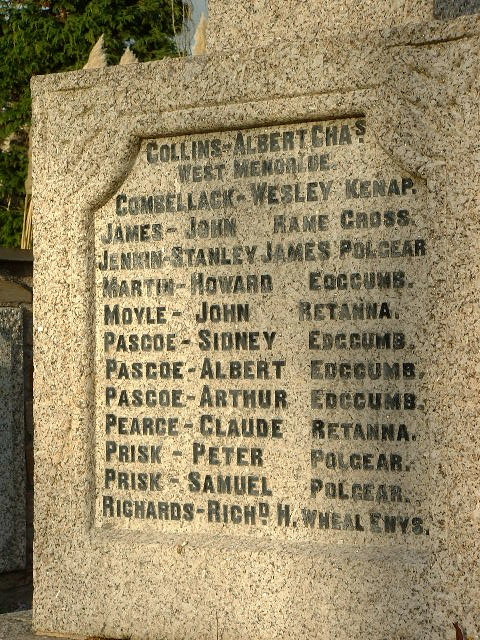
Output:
(454, 8)
(12, 449)
(257, 407)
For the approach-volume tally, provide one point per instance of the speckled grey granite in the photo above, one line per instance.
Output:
(12, 449)
(237, 25)
(448, 9)
(18, 626)
(372, 134)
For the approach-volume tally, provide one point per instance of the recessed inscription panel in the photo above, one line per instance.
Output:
(261, 301)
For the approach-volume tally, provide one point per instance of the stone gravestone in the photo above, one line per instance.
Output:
(256, 334)
(12, 450)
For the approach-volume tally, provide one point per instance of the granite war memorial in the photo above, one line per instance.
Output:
(256, 330)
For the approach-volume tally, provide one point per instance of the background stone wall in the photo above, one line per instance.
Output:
(16, 452)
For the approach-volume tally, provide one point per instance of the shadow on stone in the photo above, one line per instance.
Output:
(16, 591)
(448, 9)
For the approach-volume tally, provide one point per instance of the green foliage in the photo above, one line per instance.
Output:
(13, 168)
(46, 36)
(11, 222)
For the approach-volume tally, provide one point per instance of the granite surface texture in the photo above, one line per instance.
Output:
(237, 25)
(99, 136)
(18, 626)
(448, 9)
(12, 446)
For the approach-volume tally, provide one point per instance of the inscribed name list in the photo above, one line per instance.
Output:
(261, 302)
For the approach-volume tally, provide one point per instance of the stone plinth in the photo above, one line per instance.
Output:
(18, 626)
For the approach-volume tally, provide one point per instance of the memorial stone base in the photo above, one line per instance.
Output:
(256, 336)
